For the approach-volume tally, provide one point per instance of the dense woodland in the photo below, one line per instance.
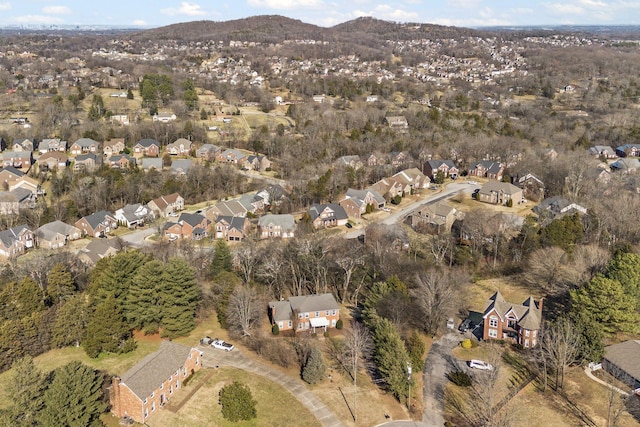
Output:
(587, 266)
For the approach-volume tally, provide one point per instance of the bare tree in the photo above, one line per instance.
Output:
(348, 264)
(245, 310)
(246, 260)
(560, 345)
(437, 294)
(359, 346)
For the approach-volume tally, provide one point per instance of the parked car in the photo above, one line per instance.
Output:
(221, 345)
(174, 214)
(479, 364)
(465, 326)
(348, 225)
(206, 340)
(386, 209)
(451, 323)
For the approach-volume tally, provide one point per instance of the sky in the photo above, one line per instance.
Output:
(325, 13)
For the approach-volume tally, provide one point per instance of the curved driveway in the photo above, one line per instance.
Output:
(439, 361)
(236, 359)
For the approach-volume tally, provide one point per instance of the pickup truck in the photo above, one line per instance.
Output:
(221, 345)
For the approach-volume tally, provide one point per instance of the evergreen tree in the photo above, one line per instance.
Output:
(391, 358)
(605, 302)
(237, 402)
(27, 299)
(129, 94)
(71, 321)
(222, 259)
(179, 298)
(114, 275)
(314, 370)
(143, 305)
(106, 331)
(60, 283)
(74, 398)
(625, 268)
(26, 391)
(416, 349)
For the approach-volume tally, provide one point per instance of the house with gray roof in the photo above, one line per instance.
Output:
(431, 168)
(181, 166)
(226, 208)
(499, 193)
(231, 228)
(605, 151)
(16, 240)
(434, 218)
(305, 313)
(56, 234)
(48, 145)
(556, 207)
(356, 202)
(625, 165)
(83, 146)
(272, 226)
(519, 323)
(97, 224)
(132, 215)
(621, 361)
(98, 249)
(487, 169)
(149, 163)
(327, 215)
(152, 382)
(207, 152)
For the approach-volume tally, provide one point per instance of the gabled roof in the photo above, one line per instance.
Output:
(97, 218)
(8, 236)
(57, 227)
(193, 219)
(230, 208)
(10, 169)
(498, 186)
(234, 222)
(181, 165)
(308, 303)
(359, 195)
(558, 205)
(435, 164)
(85, 142)
(153, 370)
(528, 314)
(489, 165)
(163, 202)
(147, 142)
(85, 157)
(152, 162)
(338, 211)
(284, 221)
(625, 356)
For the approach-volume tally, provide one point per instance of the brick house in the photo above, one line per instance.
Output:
(16, 240)
(487, 169)
(189, 226)
(180, 146)
(153, 381)
(519, 323)
(97, 224)
(84, 146)
(17, 159)
(146, 148)
(499, 193)
(356, 202)
(121, 161)
(53, 160)
(272, 226)
(433, 218)
(232, 228)
(305, 312)
(431, 168)
(57, 234)
(331, 215)
(113, 146)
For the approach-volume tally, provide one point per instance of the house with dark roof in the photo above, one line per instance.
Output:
(17, 159)
(519, 323)
(603, 151)
(97, 224)
(487, 169)
(621, 361)
(23, 144)
(87, 162)
(146, 148)
(207, 152)
(431, 168)
(56, 234)
(181, 166)
(153, 381)
(98, 249)
(556, 207)
(628, 150)
(434, 218)
(272, 226)
(190, 226)
(258, 163)
(16, 240)
(273, 195)
(148, 163)
(132, 215)
(327, 215)
(48, 145)
(532, 186)
(625, 165)
(232, 155)
(231, 228)
(304, 313)
(121, 161)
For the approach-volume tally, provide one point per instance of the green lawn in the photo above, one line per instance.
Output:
(275, 405)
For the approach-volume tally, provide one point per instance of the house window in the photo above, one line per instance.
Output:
(533, 343)
(289, 323)
(190, 356)
(170, 377)
(152, 394)
(300, 325)
(197, 361)
(300, 315)
(333, 313)
(280, 325)
(327, 313)
(535, 333)
(493, 333)
(145, 401)
(306, 315)
(493, 322)
(526, 343)
(161, 386)
(146, 413)
(153, 406)
(317, 314)
(526, 333)
(177, 385)
(512, 323)
(170, 389)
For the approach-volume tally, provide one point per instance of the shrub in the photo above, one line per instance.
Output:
(339, 324)
(314, 369)
(275, 330)
(397, 199)
(510, 203)
(237, 402)
(459, 378)
(466, 343)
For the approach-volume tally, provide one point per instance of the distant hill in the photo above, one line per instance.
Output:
(276, 28)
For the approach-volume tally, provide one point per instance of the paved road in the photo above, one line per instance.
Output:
(438, 363)
(213, 357)
(400, 214)
(137, 238)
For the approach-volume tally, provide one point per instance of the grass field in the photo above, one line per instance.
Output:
(275, 405)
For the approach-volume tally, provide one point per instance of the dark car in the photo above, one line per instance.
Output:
(348, 225)
(206, 340)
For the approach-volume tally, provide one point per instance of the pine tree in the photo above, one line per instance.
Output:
(59, 283)
(71, 321)
(143, 305)
(222, 259)
(113, 275)
(26, 391)
(604, 301)
(179, 298)
(416, 349)
(27, 298)
(74, 397)
(391, 357)
(237, 402)
(625, 268)
(314, 370)
(106, 330)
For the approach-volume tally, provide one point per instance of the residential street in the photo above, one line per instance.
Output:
(137, 238)
(399, 215)
(438, 363)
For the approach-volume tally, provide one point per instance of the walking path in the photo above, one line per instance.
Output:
(587, 371)
(235, 359)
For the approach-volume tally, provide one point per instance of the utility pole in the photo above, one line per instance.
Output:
(409, 386)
